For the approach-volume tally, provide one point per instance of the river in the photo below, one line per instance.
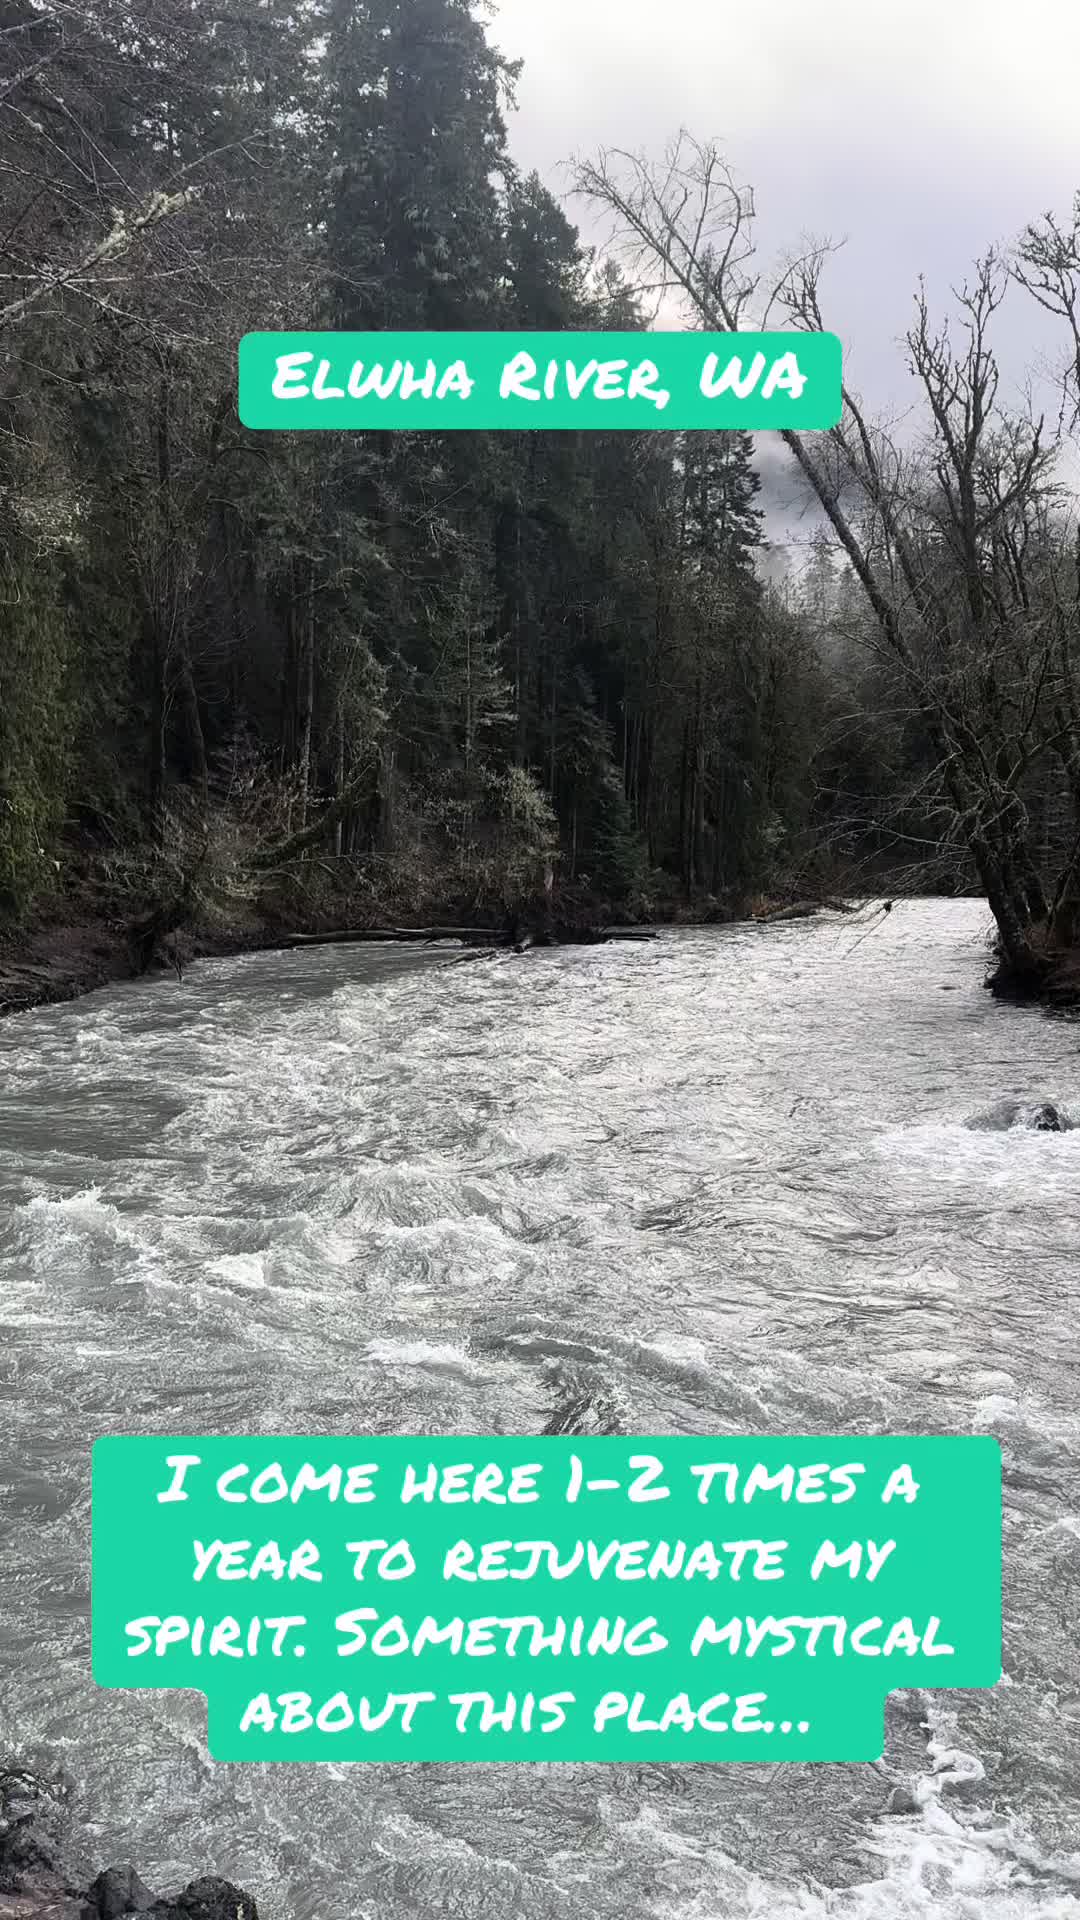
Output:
(717, 1183)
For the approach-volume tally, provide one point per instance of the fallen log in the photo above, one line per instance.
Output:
(584, 933)
(804, 911)
(347, 936)
(520, 942)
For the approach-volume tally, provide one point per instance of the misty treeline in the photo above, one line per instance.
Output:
(417, 671)
(963, 540)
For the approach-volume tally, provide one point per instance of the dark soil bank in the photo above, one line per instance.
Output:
(65, 957)
(51, 962)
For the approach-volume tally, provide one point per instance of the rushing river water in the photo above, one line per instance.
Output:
(717, 1183)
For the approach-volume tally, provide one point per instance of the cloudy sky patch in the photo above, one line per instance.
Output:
(918, 134)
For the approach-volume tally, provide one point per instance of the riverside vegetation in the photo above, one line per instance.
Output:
(256, 683)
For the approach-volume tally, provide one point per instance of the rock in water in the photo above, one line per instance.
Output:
(33, 1885)
(40, 1906)
(207, 1899)
(33, 1810)
(1040, 1117)
(118, 1891)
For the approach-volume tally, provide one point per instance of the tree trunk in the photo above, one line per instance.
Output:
(684, 813)
(156, 773)
(339, 780)
(697, 875)
(189, 702)
(306, 695)
(387, 821)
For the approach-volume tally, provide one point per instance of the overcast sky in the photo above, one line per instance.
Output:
(919, 133)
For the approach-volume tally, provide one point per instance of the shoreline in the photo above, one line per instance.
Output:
(39, 1880)
(66, 958)
(72, 954)
(51, 964)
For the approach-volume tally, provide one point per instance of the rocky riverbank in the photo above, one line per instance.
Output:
(39, 1882)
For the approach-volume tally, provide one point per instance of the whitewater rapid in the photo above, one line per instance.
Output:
(722, 1182)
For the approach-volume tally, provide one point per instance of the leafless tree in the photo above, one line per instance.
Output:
(956, 541)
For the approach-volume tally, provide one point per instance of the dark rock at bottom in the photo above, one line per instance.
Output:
(34, 1885)
(120, 1891)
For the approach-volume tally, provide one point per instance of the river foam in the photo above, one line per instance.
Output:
(717, 1183)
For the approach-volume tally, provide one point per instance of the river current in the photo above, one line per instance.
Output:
(716, 1183)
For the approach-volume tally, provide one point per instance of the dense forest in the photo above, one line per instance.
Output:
(393, 675)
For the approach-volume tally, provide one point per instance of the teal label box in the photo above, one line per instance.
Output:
(496, 1599)
(514, 381)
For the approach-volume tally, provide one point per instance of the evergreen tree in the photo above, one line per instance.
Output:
(444, 644)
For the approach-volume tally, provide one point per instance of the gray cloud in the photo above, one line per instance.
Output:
(917, 133)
